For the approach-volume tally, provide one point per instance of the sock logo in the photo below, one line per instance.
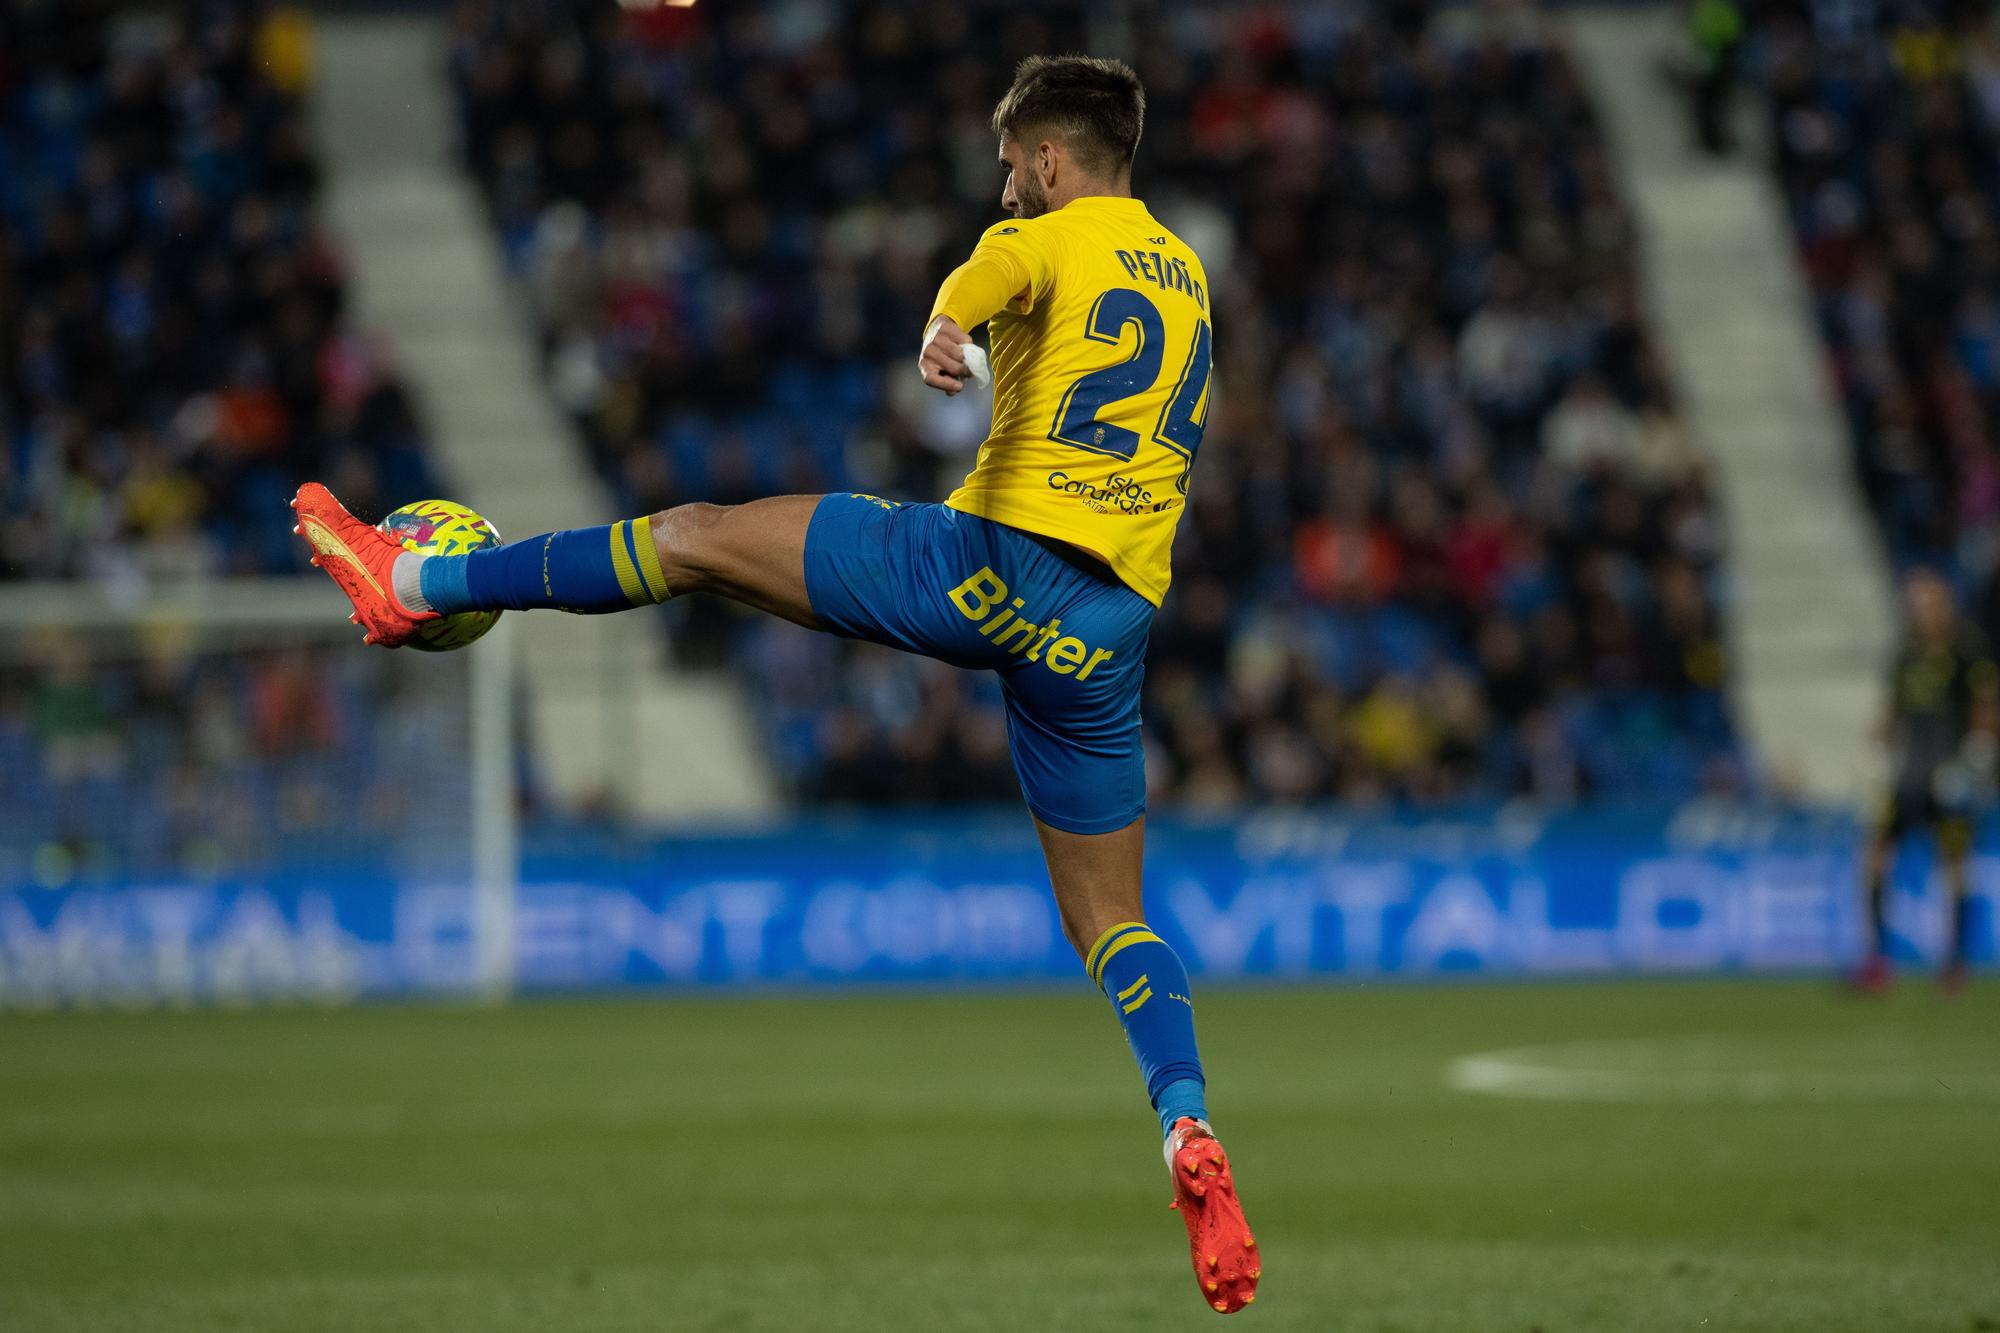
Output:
(1128, 1002)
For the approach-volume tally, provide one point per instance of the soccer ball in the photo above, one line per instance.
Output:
(443, 527)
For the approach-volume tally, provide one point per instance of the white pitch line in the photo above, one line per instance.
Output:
(1645, 1070)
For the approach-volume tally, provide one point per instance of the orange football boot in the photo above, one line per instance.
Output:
(1226, 1262)
(361, 560)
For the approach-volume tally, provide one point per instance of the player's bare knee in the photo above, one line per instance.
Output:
(687, 539)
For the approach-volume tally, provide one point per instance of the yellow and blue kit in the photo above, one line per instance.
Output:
(1047, 564)
(1045, 567)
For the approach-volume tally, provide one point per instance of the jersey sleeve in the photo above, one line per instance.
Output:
(1010, 269)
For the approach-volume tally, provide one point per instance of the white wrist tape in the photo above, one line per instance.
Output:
(980, 369)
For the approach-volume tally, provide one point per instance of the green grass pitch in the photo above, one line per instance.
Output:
(1696, 1156)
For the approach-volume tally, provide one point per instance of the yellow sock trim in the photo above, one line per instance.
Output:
(621, 564)
(1097, 949)
(649, 559)
(1121, 936)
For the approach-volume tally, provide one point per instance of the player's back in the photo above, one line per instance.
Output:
(1101, 371)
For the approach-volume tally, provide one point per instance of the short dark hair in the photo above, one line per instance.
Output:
(1096, 107)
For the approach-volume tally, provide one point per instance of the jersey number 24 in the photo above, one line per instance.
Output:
(1080, 416)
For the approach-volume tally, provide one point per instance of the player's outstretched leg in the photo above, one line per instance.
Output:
(1096, 878)
(753, 553)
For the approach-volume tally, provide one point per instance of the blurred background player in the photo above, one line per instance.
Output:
(1944, 708)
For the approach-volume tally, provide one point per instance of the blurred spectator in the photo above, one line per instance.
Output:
(174, 355)
(1446, 538)
(1887, 139)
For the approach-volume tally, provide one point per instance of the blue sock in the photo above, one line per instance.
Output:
(586, 570)
(1148, 989)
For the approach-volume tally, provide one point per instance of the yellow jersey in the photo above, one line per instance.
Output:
(1100, 347)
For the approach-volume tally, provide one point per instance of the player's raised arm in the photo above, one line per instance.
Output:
(1007, 270)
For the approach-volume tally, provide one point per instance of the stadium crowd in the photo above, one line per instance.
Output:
(1447, 538)
(1885, 128)
(174, 357)
(173, 349)
(127, 754)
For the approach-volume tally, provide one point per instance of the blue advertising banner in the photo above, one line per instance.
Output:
(937, 900)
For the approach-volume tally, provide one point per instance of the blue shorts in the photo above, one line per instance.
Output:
(1069, 644)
